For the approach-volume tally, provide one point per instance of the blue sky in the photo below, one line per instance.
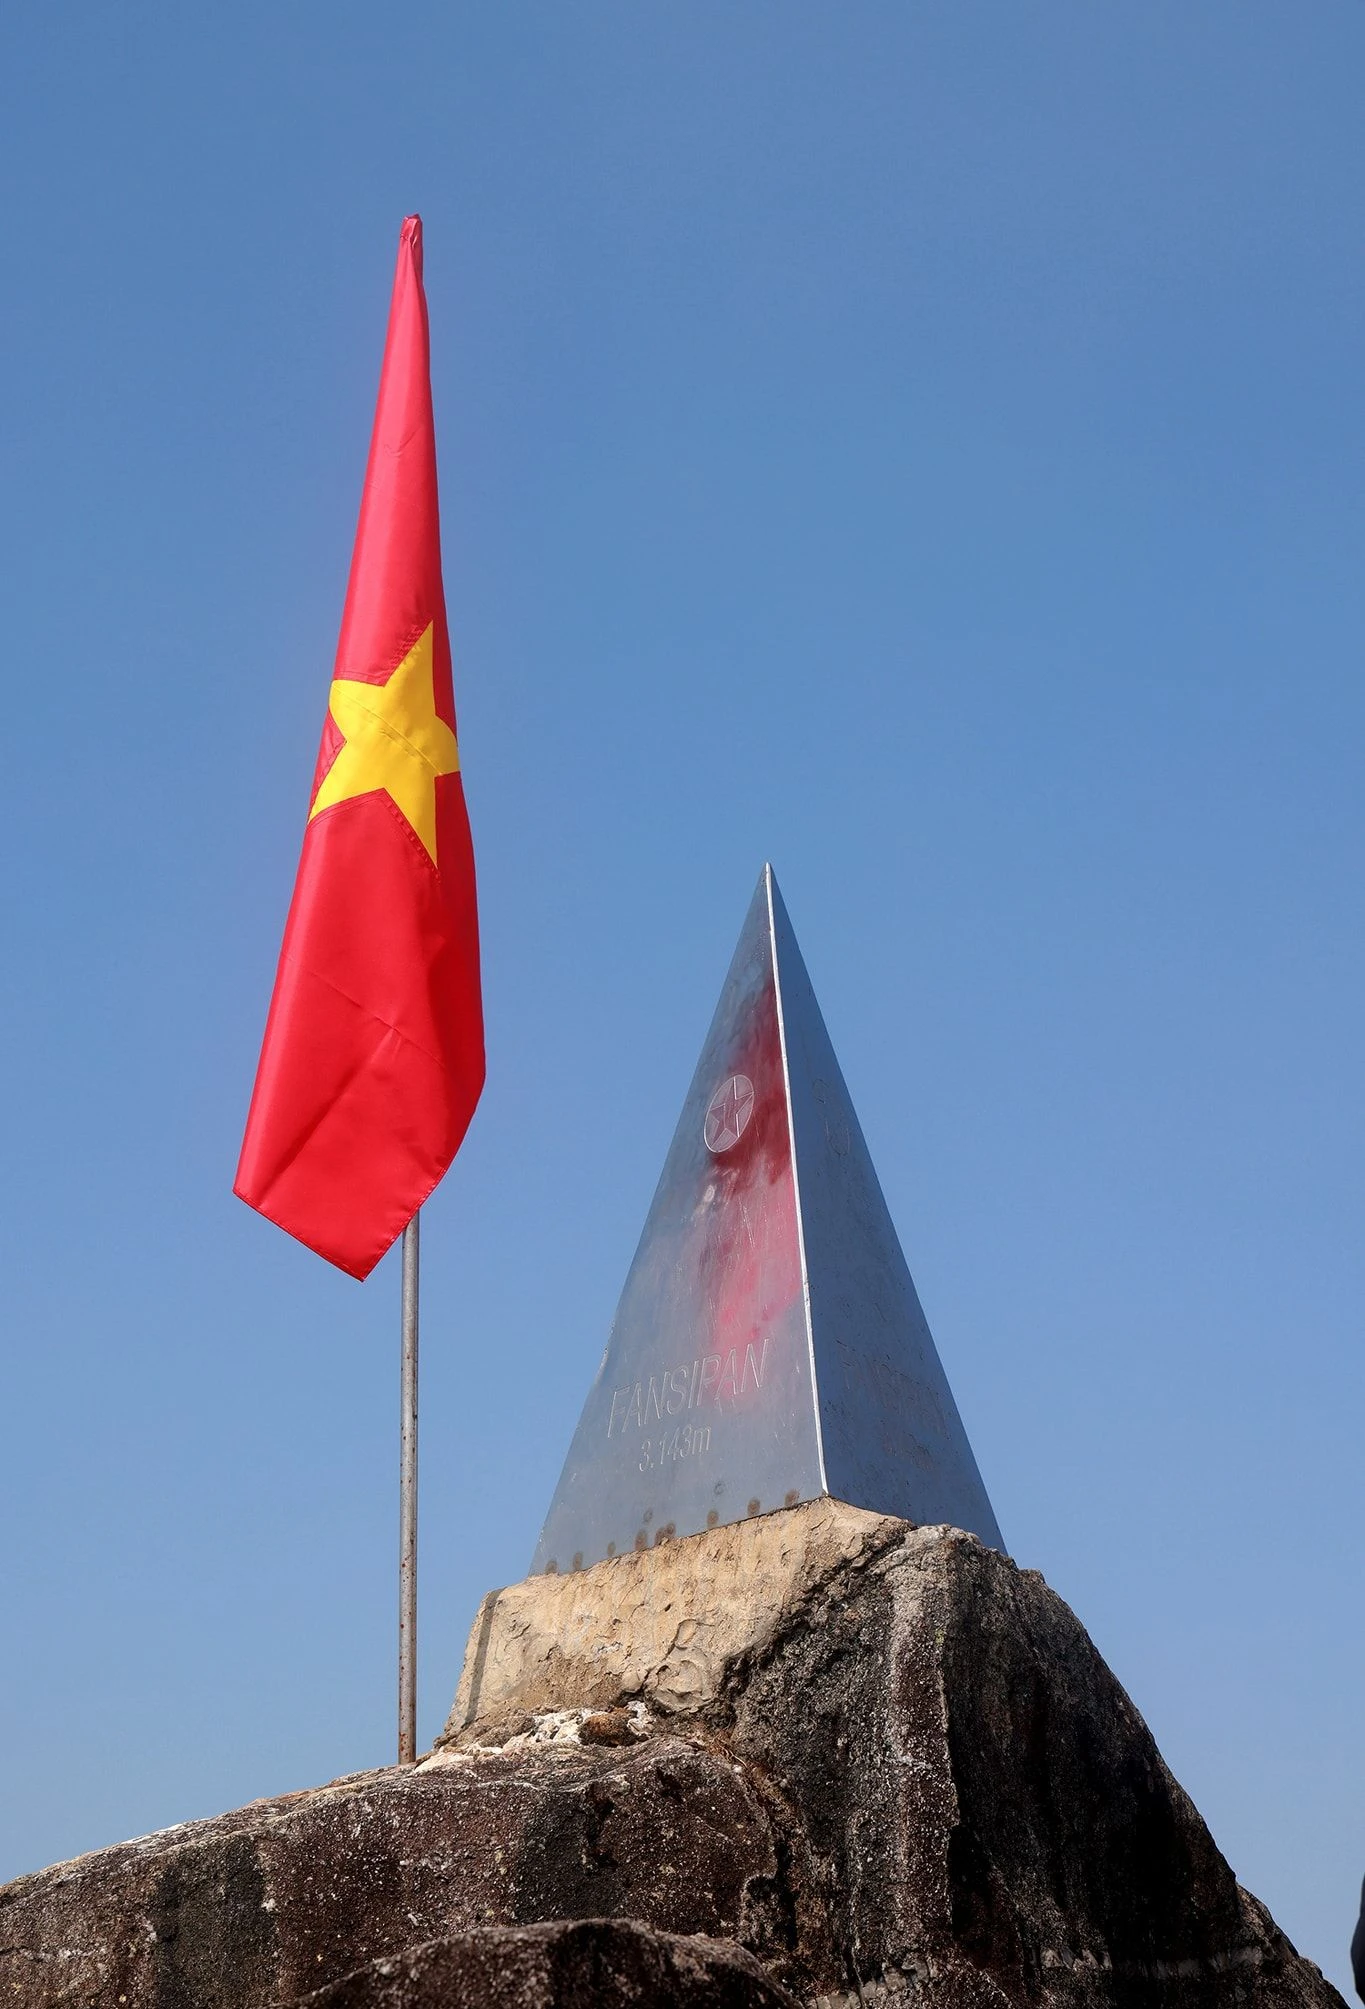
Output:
(918, 444)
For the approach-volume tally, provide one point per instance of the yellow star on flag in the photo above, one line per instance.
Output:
(394, 741)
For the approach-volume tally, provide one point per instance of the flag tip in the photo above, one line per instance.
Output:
(410, 240)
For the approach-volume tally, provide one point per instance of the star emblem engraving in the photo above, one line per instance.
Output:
(728, 1113)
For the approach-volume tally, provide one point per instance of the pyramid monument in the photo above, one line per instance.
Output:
(769, 1347)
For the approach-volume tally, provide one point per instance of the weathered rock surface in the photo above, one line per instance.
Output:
(911, 1777)
(263, 1905)
(664, 1625)
(594, 1964)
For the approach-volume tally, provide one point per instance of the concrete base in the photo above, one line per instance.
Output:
(662, 1626)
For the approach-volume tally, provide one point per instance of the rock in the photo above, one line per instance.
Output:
(907, 1776)
(988, 1818)
(662, 1625)
(260, 1906)
(611, 1726)
(594, 1964)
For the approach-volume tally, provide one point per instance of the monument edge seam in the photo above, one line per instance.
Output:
(796, 1178)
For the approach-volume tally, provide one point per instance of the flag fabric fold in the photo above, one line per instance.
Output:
(373, 1057)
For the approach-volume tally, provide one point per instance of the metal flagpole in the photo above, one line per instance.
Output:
(407, 1508)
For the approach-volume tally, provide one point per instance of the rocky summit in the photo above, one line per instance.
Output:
(885, 1766)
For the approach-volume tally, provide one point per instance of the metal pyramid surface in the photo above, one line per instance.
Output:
(769, 1345)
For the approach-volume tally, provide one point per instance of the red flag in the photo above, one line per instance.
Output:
(373, 1054)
